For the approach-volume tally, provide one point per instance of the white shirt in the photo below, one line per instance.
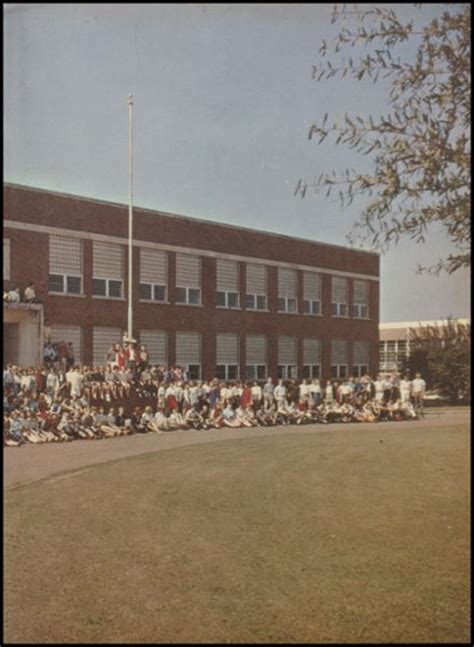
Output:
(13, 295)
(304, 390)
(379, 385)
(405, 385)
(256, 392)
(419, 385)
(280, 392)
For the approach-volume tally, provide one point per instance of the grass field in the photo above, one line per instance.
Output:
(355, 536)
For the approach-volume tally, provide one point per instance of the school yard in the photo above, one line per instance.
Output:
(319, 534)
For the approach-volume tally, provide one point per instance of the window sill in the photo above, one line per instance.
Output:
(96, 296)
(285, 312)
(340, 316)
(362, 318)
(312, 314)
(228, 308)
(159, 303)
(256, 310)
(192, 305)
(67, 294)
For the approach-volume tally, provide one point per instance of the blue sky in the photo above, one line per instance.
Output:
(223, 104)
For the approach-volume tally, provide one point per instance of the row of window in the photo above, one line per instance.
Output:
(227, 352)
(66, 277)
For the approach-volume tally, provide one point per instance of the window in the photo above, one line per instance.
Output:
(256, 302)
(360, 308)
(152, 292)
(339, 358)
(188, 279)
(311, 358)
(360, 358)
(102, 339)
(188, 353)
(255, 357)
(227, 299)
(286, 304)
(256, 297)
(311, 293)
(287, 357)
(227, 371)
(153, 275)
(6, 259)
(227, 356)
(255, 372)
(311, 371)
(287, 290)
(65, 265)
(339, 294)
(190, 296)
(311, 307)
(227, 283)
(107, 288)
(69, 334)
(156, 342)
(287, 371)
(107, 270)
(338, 371)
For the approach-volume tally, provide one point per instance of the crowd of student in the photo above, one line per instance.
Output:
(62, 402)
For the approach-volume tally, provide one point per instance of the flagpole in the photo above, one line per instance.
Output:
(130, 214)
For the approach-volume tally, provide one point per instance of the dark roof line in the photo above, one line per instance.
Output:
(181, 217)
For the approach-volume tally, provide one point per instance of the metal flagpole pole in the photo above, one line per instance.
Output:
(130, 214)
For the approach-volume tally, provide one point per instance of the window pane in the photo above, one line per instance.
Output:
(145, 291)
(306, 307)
(316, 307)
(194, 296)
(282, 305)
(233, 299)
(115, 288)
(73, 284)
(334, 371)
(343, 371)
(342, 309)
(99, 287)
(180, 295)
(220, 372)
(306, 372)
(261, 302)
(291, 305)
(293, 372)
(261, 372)
(233, 372)
(194, 372)
(56, 283)
(250, 301)
(334, 308)
(220, 299)
(280, 371)
(250, 372)
(364, 312)
(159, 293)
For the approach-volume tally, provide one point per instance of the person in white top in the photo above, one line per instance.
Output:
(280, 393)
(379, 388)
(256, 393)
(75, 378)
(418, 390)
(405, 389)
(329, 392)
(304, 391)
(315, 391)
(14, 295)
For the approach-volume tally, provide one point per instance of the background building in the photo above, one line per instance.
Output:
(218, 299)
(395, 341)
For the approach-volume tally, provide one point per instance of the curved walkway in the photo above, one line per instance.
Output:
(31, 463)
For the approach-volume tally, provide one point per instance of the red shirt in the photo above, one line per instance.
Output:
(246, 397)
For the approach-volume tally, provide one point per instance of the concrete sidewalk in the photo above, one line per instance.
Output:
(30, 463)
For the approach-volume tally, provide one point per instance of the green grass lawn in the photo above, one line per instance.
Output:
(353, 536)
